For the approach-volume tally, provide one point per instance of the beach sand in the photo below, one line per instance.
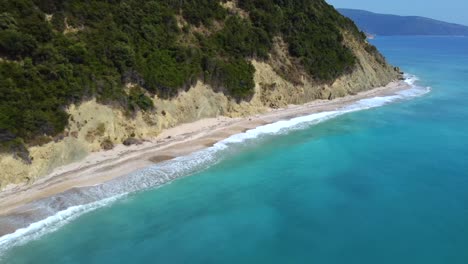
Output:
(182, 140)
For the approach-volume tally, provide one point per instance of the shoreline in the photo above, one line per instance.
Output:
(105, 166)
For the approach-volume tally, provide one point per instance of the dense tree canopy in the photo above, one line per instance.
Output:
(57, 52)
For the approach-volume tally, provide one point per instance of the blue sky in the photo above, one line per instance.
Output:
(455, 11)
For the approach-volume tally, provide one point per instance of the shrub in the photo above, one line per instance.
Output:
(139, 101)
(101, 129)
(16, 44)
(139, 41)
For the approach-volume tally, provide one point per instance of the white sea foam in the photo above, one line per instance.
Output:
(104, 194)
(50, 224)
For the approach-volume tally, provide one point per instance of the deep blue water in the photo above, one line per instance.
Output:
(385, 185)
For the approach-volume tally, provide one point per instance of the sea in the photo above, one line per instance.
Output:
(384, 180)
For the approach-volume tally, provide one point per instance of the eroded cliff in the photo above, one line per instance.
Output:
(286, 66)
(92, 124)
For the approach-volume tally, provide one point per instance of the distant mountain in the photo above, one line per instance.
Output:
(388, 25)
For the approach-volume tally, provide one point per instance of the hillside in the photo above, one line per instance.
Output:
(392, 25)
(78, 77)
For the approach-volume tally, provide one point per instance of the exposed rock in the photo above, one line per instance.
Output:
(94, 127)
(20, 152)
(6, 135)
(131, 141)
(107, 144)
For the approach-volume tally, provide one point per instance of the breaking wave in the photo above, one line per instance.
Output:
(67, 206)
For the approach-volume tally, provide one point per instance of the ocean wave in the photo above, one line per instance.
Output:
(50, 224)
(66, 207)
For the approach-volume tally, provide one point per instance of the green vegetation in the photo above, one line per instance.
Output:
(137, 100)
(101, 129)
(312, 30)
(54, 53)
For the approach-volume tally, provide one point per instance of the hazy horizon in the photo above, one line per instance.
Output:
(455, 9)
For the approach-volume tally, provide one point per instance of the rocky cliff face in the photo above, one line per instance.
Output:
(93, 125)
(140, 67)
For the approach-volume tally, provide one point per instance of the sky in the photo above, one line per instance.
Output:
(455, 11)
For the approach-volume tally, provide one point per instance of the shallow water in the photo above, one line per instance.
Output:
(384, 185)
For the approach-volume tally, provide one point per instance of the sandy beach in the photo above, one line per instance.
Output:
(182, 140)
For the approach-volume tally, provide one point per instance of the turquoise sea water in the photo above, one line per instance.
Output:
(384, 185)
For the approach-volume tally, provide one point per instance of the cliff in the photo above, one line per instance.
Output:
(283, 75)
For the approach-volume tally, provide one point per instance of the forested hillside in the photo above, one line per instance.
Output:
(57, 52)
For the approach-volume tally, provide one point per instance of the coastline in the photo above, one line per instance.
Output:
(105, 166)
